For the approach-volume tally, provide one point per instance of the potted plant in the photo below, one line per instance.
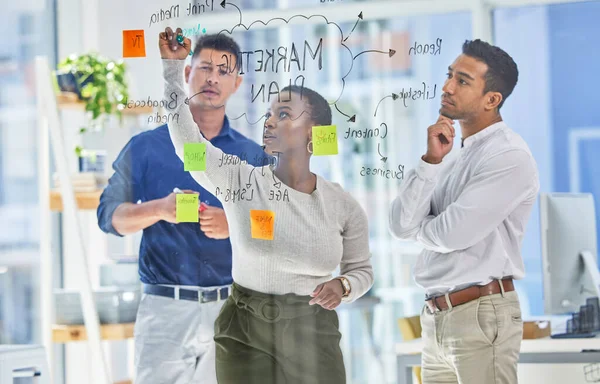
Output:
(97, 81)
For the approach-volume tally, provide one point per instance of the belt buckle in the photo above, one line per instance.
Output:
(201, 298)
(260, 309)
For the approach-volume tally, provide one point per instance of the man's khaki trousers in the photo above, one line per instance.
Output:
(474, 343)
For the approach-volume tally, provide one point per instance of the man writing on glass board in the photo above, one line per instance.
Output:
(185, 267)
(470, 215)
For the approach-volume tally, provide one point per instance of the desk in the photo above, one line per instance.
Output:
(534, 351)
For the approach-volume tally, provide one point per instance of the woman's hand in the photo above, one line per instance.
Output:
(328, 295)
(172, 49)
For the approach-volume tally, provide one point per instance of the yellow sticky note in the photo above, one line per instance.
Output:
(324, 139)
(194, 157)
(186, 208)
(262, 224)
(133, 43)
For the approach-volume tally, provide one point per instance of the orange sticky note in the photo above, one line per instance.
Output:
(133, 43)
(262, 224)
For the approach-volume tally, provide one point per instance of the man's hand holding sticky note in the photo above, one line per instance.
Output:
(262, 224)
(194, 157)
(187, 207)
(324, 140)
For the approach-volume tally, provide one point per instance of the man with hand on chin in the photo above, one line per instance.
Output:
(470, 215)
(185, 267)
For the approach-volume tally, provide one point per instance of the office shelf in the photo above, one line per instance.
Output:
(70, 333)
(85, 200)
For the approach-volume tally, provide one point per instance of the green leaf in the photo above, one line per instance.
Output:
(82, 130)
(78, 150)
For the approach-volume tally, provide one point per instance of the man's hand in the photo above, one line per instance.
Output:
(440, 137)
(328, 295)
(167, 207)
(213, 223)
(170, 48)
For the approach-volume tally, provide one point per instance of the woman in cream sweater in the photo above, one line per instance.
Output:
(290, 229)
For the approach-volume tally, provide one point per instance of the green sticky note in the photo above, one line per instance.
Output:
(186, 208)
(194, 157)
(324, 140)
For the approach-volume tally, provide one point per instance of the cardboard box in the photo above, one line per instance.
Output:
(536, 329)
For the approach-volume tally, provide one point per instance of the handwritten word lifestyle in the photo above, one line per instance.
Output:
(384, 173)
(367, 133)
(234, 195)
(418, 94)
(164, 119)
(171, 104)
(431, 49)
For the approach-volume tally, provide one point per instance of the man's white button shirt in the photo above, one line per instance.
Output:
(469, 213)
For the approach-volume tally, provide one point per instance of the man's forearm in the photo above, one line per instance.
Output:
(130, 218)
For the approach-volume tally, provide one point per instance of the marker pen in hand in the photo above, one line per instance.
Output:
(203, 206)
(177, 190)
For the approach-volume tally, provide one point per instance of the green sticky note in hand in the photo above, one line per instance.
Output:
(186, 208)
(324, 140)
(194, 155)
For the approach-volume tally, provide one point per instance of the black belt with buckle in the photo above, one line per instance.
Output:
(187, 294)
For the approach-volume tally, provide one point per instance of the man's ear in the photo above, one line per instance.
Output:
(493, 99)
(188, 70)
(238, 82)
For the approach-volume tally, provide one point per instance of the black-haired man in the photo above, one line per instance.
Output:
(185, 268)
(470, 216)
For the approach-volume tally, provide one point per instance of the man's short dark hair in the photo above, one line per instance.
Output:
(502, 73)
(218, 42)
(320, 111)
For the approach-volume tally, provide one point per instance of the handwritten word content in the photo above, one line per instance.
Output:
(235, 195)
(426, 49)
(163, 119)
(186, 207)
(279, 196)
(424, 93)
(324, 140)
(164, 14)
(133, 43)
(171, 104)
(262, 224)
(367, 133)
(200, 7)
(194, 155)
(384, 173)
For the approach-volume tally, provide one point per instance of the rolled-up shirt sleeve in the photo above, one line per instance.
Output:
(499, 185)
(124, 185)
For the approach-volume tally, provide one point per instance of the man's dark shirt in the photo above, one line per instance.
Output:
(148, 169)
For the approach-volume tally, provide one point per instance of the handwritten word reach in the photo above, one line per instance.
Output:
(235, 195)
(424, 93)
(163, 15)
(197, 8)
(385, 173)
(431, 49)
(266, 56)
(279, 196)
(163, 119)
(171, 104)
(367, 133)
